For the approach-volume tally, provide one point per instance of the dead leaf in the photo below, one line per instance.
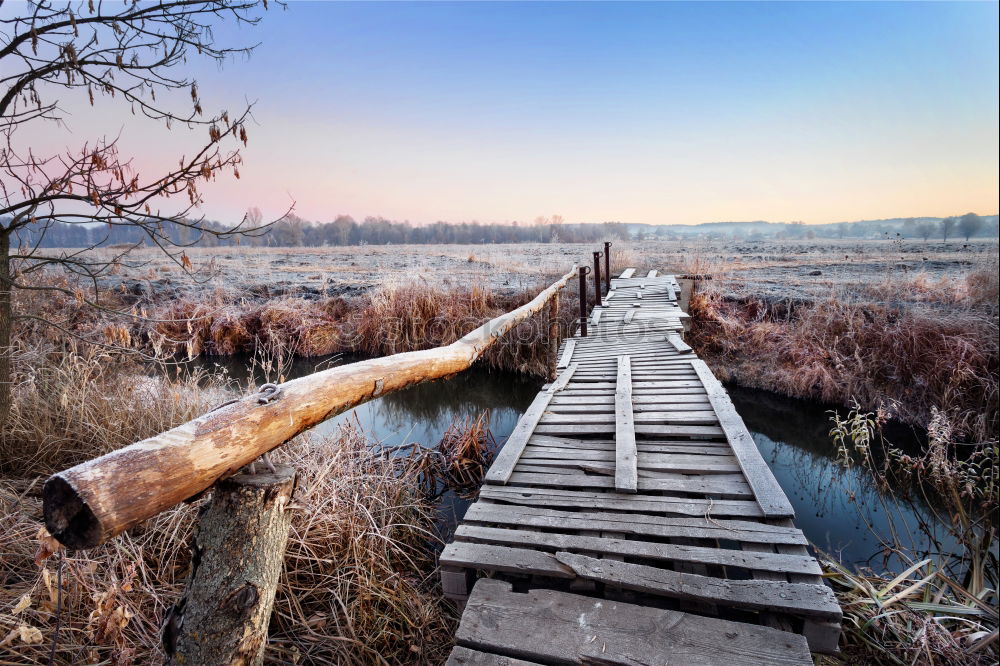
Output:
(21, 604)
(47, 546)
(30, 635)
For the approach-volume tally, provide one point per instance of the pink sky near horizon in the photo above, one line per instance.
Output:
(376, 135)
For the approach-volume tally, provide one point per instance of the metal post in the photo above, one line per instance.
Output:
(597, 279)
(583, 301)
(553, 336)
(607, 266)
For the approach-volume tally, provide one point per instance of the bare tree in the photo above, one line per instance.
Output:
(947, 226)
(925, 230)
(969, 224)
(125, 53)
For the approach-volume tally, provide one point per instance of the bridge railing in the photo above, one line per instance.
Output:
(92, 502)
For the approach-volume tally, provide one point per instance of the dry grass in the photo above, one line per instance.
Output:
(358, 587)
(394, 318)
(942, 609)
(73, 405)
(907, 359)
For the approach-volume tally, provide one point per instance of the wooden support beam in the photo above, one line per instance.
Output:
(767, 492)
(240, 544)
(626, 474)
(92, 502)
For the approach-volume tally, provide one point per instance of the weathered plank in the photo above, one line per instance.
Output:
(563, 379)
(582, 499)
(627, 273)
(629, 315)
(557, 627)
(633, 523)
(768, 493)
(679, 344)
(462, 656)
(652, 274)
(503, 464)
(718, 484)
(626, 479)
(567, 354)
(761, 561)
(796, 598)
(595, 317)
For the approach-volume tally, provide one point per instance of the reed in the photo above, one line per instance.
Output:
(942, 608)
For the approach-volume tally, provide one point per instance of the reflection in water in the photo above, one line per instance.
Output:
(794, 438)
(792, 435)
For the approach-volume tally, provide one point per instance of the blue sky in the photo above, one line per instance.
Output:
(645, 112)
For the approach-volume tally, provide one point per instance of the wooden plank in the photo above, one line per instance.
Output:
(724, 485)
(794, 598)
(652, 273)
(567, 354)
(643, 418)
(627, 273)
(503, 465)
(632, 548)
(679, 344)
(768, 493)
(462, 656)
(595, 317)
(502, 558)
(560, 383)
(626, 478)
(628, 316)
(633, 523)
(684, 401)
(581, 499)
(608, 296)
(640, 429)
(553, 627)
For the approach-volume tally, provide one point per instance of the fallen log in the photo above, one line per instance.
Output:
(98, 499)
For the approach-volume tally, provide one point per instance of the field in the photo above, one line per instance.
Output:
(777, 269)
(901, 327)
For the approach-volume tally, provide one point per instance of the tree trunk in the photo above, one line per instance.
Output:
(238, 555)
(6, 323)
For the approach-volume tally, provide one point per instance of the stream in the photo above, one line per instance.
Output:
(839, 509)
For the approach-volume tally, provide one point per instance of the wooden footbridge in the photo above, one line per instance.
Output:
(629, 519)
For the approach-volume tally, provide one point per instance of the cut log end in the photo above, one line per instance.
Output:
(68, 517)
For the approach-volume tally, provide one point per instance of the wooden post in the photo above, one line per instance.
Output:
(553, 337)
(238, 554)
(583, 301)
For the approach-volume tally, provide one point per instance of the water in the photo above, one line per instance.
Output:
(839, 510)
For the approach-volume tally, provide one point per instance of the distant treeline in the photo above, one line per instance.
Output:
(293, 231)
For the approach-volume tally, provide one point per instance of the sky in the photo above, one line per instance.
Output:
(659, 113)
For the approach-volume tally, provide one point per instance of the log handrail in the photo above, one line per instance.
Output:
(92, 502)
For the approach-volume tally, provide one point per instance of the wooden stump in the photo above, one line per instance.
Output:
(238, 554)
